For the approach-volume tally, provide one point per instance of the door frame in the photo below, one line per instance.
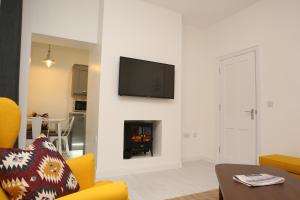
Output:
(254, 49)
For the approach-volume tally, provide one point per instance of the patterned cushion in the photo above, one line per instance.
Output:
(39, 173)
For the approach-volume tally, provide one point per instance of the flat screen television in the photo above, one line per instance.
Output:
(146, 79)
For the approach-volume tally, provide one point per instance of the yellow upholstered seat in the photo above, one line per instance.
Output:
(288, 163)
(82, 167)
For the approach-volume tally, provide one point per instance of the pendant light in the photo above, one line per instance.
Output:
(48, 61)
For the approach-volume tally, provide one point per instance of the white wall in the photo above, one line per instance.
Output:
(92, 116)
(70, 19)
(134, 28)
(50, 89)
(92, 119)
(273, 25)
(197, 118)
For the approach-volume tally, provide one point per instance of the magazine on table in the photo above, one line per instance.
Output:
(258, 179)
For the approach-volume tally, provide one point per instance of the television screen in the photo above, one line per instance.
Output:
(146, 79)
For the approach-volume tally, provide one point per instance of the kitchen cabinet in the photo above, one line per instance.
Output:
(79, 80)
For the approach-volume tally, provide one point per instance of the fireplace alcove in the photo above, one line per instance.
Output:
(142, 138)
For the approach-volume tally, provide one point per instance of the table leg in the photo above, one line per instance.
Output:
(59, 137)
(220, 194)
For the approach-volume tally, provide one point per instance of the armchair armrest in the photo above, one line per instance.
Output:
(83, 169)
(112, 191)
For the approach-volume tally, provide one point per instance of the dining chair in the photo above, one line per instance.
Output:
(36, 128)
(65, 134)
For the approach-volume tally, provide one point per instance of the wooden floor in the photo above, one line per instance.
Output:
(194, 177)
(209, 195)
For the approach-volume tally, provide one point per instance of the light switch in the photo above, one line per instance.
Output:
(270, 104)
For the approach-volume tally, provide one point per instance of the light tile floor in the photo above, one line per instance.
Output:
(193, 177)
(72, 154)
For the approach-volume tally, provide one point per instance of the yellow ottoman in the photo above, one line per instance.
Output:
(288, 163)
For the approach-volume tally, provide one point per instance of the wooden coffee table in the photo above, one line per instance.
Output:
(232, 190)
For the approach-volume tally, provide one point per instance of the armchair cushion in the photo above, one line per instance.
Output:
(40, 173)
(83, 169)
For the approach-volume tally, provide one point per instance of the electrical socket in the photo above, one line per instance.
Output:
(195, 134)
(186, 135)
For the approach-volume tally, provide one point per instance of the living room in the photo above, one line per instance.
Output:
(220, 112)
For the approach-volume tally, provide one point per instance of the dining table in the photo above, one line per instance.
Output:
(58, 123)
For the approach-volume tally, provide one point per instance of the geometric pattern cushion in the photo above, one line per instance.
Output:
(38, 173)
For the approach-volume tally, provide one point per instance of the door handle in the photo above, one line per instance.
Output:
(251, 112)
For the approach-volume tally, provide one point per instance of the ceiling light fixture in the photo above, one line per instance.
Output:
(48, 61)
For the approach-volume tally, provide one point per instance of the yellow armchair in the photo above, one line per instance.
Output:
(82, 167)
(288, 163)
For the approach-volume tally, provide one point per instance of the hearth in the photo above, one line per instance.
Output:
(138, 138)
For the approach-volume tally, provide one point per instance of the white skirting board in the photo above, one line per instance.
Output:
(114, 173)
(199, 158)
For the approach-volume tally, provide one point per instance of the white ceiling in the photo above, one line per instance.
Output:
(203, 13)
(64, 42)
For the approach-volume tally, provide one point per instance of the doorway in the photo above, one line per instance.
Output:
(238, 108)
(57, 93)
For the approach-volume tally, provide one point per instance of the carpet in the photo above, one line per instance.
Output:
(209, 195)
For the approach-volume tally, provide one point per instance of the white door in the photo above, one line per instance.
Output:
(238, 109)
